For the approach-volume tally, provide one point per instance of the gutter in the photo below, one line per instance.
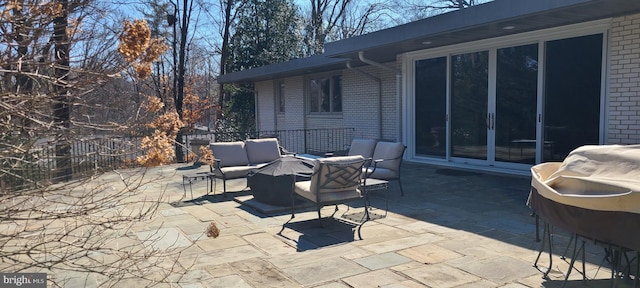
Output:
(398, 93)
(379, 81)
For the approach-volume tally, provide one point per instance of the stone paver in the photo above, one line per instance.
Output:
(441, 276)
(324, 271)
(449, 230)
(379, 261)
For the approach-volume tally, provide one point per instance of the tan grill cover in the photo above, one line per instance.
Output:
(604, 178)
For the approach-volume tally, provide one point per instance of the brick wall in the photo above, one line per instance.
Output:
(360, 104)
(294, 104)
(624, 81)
(266, 101)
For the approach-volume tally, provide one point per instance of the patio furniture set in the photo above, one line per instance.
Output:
(281, 179)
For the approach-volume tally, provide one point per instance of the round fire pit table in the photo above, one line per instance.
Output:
(273, 183)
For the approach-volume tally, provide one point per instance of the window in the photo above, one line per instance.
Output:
(325, 94)
(280, 102)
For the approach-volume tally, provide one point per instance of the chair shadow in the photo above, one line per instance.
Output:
(210, 198)
(317, 233)
(193, 166)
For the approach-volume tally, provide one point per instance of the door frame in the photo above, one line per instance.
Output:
(539, 37)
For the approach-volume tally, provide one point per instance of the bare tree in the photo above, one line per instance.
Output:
(325, 15)
(361, 19)
(410, 10)
(51, 66)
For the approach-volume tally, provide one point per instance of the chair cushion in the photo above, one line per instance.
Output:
(262, 150)
(233, 172)
(388, 150)
(381, 173)
(362, 147)
(303, 188)
(230, 153)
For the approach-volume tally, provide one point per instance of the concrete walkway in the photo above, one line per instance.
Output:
(451, 229)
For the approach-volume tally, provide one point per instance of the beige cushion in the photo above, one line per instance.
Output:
(303, 188)
(381, 173)
(388, 150)
(232, 172)
(262, 150)
(230, 153)
(362, 147)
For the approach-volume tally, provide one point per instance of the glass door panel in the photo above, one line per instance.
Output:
(469, 100)
(573, 69)
(431, 107)
(516, 105)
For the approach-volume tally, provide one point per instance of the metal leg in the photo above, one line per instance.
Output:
(573, 259)
(568, 245)
(546, 232)
(635, 278)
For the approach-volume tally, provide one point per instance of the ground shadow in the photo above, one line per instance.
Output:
(317, 233)
(193, 166)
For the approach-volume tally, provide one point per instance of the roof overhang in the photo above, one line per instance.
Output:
(489, 20)
(313, 64)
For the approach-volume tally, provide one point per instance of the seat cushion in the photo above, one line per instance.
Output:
(363, 147)
(233, 172)
(230, 153)
(381, 173)
(303, 188)
(262, 150)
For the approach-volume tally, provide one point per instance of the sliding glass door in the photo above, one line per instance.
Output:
(469, 83)
(496, 107)
(431, 107)
(573, 78)
(516, 104)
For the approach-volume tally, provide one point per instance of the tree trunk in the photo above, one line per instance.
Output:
(224, 56)
(62, 99)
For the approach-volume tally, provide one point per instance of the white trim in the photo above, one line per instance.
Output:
(604, 87)
(538, 36)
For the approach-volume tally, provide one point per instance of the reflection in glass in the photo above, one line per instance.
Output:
(469, 96)
(337, 94)
(430, 107)
(516, 93)
(572, 95)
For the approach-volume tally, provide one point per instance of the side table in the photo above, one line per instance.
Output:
(372, 184)
(190, 178)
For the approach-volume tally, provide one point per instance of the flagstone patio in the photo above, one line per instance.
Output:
(451, 229)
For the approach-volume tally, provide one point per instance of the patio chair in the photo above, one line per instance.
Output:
(387, 158)
(334, 181)
(363, 147)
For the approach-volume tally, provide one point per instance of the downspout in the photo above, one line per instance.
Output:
(379, 95)
(256, 107)
(398, 92)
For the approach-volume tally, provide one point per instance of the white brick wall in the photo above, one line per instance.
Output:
(624, 81)
(266, 101)
(360, 104)
(294, 104)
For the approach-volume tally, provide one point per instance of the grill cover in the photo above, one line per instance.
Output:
(594, 192)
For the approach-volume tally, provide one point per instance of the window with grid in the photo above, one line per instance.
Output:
(325, 94)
